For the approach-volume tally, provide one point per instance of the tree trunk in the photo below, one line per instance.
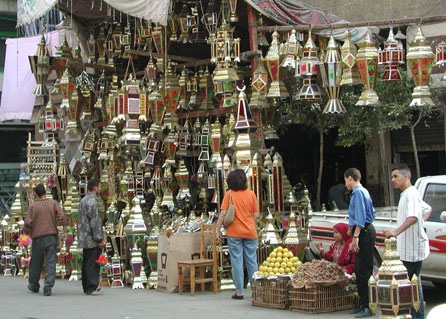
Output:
(415, 151)
(388, 192)
(321, 166)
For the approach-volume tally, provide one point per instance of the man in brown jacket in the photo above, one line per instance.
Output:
(40, 224)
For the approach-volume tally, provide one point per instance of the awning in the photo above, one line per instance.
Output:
(18, 81)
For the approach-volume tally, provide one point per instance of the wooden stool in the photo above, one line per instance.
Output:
(201, 264)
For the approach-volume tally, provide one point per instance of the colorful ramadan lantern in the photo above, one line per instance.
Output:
(245, 121)
(210, 19)
(310, 69)
(367, 60)
(392, 56)
(85, 84)
(391, 289)
(259, 88)
(182, 177)
(292, 51)
(132, 99)
(225, 51)
(66, 85)
(61, 56)
(272, 61)
(73, 114)
(41, 66)
(350, 73)
(333, 68)
(420, 59)
(440, 53)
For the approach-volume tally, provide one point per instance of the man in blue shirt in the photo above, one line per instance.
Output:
(360, 217)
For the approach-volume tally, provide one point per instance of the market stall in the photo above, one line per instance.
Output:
(161, 104)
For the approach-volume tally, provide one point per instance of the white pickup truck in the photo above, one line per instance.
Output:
(433, 190)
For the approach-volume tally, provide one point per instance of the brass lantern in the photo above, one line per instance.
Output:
(272, 61)
(73, 113)
(333, 68)
(420, 59)
(441, 55)
(391, 58)
(184, 93)
(367, 60)
(61, 57)
(350, 73)
(233, 7)
(85, 84)
(392, 290)
(292, 50)
(225, 51)
(206, 89)
(259, 88)
(41, 66)
(310, 69)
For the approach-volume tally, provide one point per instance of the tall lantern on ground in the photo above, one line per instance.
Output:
(333, 67)
(392, 55)
(272, 61)
(420, 59)
(367, 60)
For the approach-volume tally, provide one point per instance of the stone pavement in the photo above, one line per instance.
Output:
(68, 301)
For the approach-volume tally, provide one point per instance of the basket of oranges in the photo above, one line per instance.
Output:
(271, 284)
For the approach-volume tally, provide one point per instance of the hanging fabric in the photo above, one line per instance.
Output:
(30, 10)
(155, 11)
(291, 12)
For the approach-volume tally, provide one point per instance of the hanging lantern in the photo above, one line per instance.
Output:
(52, 122)
(272, 61)
(182, 177)
(132, 107)
(131, 137)
(233, 7)
(126, 40)
(245, 122)
(420, 59)
(112, 101)
(184, 92)
(210, 19)
(61, 57)
(100, 45)
(184, 24)
(116, 37)
(309, 69)
(203, 142)
(159, 39)
(367, 60)
(170, 147)
(198, 34)
(350, 73)
(225, 51)
(170, 96)
(85, 84)
(194, 90)
(173, 26)
(184, 139)
(391, 58)
(292, 51)
(441, 55)
(333, 68)
(73, 114)
(259, 88)
(143, 107)
(41, 66)
(91, 43)
(206, 89)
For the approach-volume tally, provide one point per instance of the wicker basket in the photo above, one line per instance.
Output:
(271, 293)
(321, 299)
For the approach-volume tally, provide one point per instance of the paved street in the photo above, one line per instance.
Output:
(68, 301)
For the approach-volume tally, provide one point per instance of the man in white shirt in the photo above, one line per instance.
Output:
(412, 241)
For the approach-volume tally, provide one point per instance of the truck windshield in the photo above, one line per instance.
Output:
(435, 195)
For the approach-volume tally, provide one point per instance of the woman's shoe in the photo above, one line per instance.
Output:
(238, 297)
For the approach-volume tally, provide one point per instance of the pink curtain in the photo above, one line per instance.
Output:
(17, 100)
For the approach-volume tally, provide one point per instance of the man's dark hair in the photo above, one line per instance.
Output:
(403, 169)
(353, 173)
(237, 180)
(92, 183)
(40, 190)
